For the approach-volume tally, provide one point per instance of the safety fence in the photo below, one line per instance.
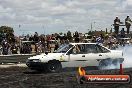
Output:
(15, 58)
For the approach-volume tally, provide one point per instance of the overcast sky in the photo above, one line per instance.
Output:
(49, 16)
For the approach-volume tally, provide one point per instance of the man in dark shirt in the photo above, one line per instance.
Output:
(122, 33)
(31, 38)
(128, 23)
(65, 37)
(76, 37)
(69, 36)
(36, 37)
(116, 25)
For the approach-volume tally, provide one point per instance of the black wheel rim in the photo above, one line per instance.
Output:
(53, 67)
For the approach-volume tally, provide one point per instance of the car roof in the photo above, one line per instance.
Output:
(81, 43)
(88, 43)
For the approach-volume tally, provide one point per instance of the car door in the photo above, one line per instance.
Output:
(93, 55)
(77, 56)
(105, 52)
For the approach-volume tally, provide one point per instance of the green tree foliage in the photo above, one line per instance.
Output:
(61, 33)
(91, 33)
(7, 32)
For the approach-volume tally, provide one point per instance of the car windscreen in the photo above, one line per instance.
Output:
(64, 48)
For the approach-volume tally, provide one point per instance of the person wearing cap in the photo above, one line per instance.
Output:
(128, 23)
(116, 25)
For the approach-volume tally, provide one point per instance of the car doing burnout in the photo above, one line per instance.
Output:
(75, 55)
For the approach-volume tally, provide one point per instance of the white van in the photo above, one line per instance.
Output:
(75, 55)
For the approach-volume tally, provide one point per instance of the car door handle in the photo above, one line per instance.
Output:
(83, 55)
(100, 55)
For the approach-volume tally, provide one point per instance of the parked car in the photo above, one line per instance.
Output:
(75, 55)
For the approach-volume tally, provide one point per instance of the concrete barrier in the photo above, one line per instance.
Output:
(16, 58)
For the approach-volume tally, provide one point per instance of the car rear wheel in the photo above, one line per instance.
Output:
(105, 63)
(54, 66)
(118, 61)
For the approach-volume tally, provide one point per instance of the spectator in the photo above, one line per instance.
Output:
(128, 23)
(76, 37)
(116, 25)
(122, 33)
(93, 39)
(31, 38)
(52, 37)
(56, 46)
(65, 37)
(14, 49)
(99, 40)
(0, 50)
(39, 47)
(5, 48)
(25, 38)
(109, 42)
(36, 37)
(69, 36)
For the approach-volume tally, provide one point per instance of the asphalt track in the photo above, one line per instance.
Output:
(17, 76)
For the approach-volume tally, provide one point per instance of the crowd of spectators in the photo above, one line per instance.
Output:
(36, 43)
(41, 43)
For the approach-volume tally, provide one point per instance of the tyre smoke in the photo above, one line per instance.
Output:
(127, 55)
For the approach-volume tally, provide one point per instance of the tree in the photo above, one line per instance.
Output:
(61, 33)
(7, 32)
(90, 33)
(106, 30)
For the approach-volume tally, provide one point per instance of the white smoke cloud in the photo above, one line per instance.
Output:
(127, 56)
(129, 2)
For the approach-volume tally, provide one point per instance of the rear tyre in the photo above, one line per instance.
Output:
(118, 61)
(54, 66)
(103, 64)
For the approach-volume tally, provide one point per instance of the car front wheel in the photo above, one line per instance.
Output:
(54, 66)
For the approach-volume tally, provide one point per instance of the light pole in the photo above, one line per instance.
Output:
(92, 26)
(43, 27)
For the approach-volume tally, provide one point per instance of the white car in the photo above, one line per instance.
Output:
(75, 55)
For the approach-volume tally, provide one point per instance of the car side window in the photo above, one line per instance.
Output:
(102, 49)
(79, 49)
(91, 48)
